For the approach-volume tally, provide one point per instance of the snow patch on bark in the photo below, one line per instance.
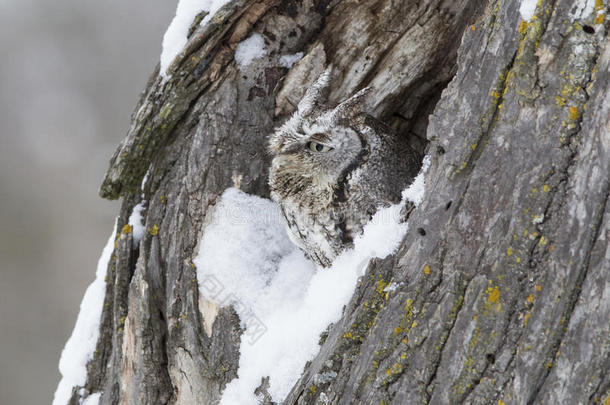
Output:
(136, 221)
(175, 37)
(245, 259)
(582, 9)
(80, 347)
(249, 49)
(527, 9)
(288, 61)
(93, 399)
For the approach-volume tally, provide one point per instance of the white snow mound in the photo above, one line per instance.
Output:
(245, 259)
(80, 347)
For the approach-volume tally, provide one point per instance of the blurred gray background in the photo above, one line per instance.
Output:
(70, 74)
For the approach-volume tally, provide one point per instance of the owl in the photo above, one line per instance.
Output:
(332, 168)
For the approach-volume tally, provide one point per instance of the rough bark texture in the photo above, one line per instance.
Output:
(504, 276)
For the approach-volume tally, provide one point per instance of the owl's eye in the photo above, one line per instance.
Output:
(318, 147)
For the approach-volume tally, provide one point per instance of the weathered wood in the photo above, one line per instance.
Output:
(505, 297)
(516, 221)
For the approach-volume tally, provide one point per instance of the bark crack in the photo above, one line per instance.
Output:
(458, 305)
(574, 293)
(467, 168)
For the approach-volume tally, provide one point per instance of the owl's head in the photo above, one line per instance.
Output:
(318, 145)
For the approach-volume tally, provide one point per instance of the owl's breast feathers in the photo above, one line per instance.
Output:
(313, 231)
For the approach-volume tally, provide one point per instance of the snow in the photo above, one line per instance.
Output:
(392, 287)
(80, 347)
(241, 248)
(246, 259)
(249, 49)
(145, 179)
(136, 222)
(175, 37)
(538, 219)
(93, 399)
(415, 192)
(288, 60)
(582, 9)
(527, 9)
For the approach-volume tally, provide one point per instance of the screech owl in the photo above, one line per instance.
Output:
(332, 168)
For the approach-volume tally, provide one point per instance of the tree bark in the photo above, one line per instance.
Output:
(504, 275)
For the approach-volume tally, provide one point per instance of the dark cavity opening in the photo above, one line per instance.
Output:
(414, 106)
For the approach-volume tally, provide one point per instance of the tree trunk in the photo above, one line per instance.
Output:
(504, 275)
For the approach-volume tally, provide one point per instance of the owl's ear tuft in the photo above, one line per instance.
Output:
(279, 140)
(275, 144)
(352, 106)
(285, 137)
(317, 94)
